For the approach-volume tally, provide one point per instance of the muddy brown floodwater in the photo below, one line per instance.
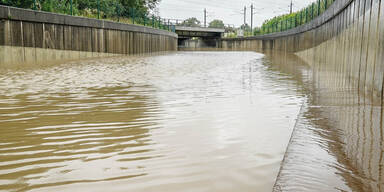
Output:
(186, 121)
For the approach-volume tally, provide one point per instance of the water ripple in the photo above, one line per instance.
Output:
(213, 121)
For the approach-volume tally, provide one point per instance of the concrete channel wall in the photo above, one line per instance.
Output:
(28, 36)
(344, 49)
(347, 39)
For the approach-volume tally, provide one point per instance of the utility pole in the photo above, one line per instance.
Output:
(290, 12)
(205, 17)
(245, 15)
(252, 19)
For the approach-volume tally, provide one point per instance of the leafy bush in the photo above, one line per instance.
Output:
(288, 21)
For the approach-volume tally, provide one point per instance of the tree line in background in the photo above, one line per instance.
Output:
(107, 8)
(194, 22)
(276, 24)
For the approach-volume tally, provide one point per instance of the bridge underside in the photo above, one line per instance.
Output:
(193, 37)
(198, 43)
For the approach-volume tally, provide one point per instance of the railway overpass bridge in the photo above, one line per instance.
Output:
(198, 36)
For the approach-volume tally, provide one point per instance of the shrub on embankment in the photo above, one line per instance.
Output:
(289, 21)
(125, 11)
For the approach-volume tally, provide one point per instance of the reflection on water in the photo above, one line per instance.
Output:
(337, 144)
(188, 121)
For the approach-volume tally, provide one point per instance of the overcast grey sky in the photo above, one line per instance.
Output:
(230, 11)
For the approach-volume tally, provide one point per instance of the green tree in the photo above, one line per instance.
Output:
(140, 6)
(191, 22)
(245, 27)
(107, 7)
(230, 29)
(216, 24)
(18, 3)
(257, 31)
(57, 6)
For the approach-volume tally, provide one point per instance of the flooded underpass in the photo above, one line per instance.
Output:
(186, 121)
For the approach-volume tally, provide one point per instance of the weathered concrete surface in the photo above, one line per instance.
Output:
(28, 36)
(345, 51)
(204, 32)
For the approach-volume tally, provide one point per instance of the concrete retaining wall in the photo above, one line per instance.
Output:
(28, 36)
(348, 39)
(345, 51)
